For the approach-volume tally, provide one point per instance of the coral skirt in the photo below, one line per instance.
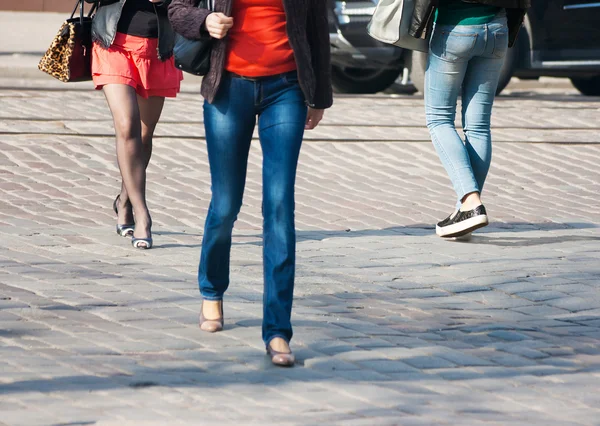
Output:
(134, 61)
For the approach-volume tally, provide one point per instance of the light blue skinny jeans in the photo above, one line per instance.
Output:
(464, 60)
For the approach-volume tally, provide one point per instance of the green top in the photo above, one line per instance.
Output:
(457, 12)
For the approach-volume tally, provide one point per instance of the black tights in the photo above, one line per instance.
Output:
(135, 119)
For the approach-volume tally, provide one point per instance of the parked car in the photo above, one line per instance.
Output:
(360, 64)
(560, 38)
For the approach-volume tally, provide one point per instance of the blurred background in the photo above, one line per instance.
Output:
(558, 48)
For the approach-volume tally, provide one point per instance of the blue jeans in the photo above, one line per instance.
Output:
(464, 60)
(230, 120)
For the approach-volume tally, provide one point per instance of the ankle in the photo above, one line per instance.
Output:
(469, 207)
(280, 345)
(143, 222)
(470, 201)
(211, 309)
(124, 201)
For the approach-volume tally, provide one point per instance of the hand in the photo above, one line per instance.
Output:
(218, 24)
(313, 118)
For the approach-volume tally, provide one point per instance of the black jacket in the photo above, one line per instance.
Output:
(308, 32)
(104, 26)
(422, 21)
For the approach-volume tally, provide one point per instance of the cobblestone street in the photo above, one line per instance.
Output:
(393, 325)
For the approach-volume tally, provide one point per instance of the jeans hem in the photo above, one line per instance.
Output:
(212, 298)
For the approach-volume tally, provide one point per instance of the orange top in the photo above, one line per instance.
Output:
(258, 44)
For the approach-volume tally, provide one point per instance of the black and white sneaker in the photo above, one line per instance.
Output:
(462, 223)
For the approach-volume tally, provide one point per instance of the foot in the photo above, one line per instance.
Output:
(211, 316)
(281, 354)
(143, 228)
(461, 223)
(123, 210)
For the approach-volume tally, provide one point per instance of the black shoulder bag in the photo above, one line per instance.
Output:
(193, 56)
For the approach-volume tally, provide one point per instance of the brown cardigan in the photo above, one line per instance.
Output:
(307, 30)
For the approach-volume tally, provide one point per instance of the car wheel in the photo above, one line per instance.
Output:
(417, 65)
(510, 62)
(362, 80)
(588, 86)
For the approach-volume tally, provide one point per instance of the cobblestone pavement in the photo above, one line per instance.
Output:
(393, 326)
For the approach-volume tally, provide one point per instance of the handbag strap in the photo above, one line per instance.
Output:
(81, 5)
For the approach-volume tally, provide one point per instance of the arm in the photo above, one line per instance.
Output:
(187, 19)
(318, 39)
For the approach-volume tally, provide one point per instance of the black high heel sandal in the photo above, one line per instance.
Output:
(127, 229)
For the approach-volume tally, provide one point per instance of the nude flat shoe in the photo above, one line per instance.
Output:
(211, 325)
(281, 359)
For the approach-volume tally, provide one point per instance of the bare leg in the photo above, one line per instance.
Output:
(123, 104)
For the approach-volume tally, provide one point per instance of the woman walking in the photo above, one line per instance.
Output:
(467, 50)
(270, 60)
(132, 63)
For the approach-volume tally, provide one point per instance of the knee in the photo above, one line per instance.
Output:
(225, 211)
(478, 128)
(147, 134)
(278, 205)
(437, 119)
(127, 130)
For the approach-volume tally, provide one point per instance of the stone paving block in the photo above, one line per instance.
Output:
(329, 364)
(462, 359)
(508, 335)
(386, 366)
(511, 360)
(538, 311)
(540, 296)
(428, 362)
(363, 375)
(574, 304)
(527, 352)
(463, 287)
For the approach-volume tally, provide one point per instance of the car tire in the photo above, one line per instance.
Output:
(511, 61)
(417, 65)
(589, 86)
(362, 80)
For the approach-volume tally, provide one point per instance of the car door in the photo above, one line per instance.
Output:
(571, 30)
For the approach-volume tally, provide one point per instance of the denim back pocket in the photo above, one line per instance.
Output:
(453, 46)
(500, 43)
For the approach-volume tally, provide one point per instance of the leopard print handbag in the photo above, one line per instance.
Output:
(69, 57)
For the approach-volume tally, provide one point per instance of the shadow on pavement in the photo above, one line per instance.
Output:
(525, 242)
(368, 337)
(425, 230)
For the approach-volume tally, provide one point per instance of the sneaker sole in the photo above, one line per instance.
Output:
(462, 228)
(462, 238)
